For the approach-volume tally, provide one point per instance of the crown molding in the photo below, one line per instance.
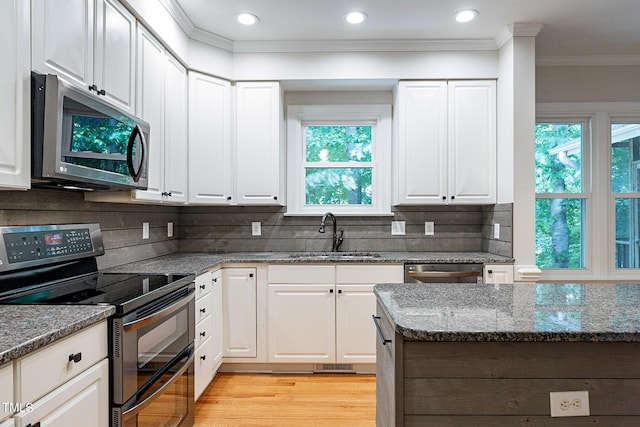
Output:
(177, 13)
(212, 39)
(517, 29)
(587, 60)
(362, 46)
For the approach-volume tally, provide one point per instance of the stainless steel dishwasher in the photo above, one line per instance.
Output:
(443, 273)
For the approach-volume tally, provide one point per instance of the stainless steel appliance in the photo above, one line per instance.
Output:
(78, 141)
(151, 335)
(443, 273)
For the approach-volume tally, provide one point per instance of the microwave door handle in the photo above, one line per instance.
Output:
(132, 141)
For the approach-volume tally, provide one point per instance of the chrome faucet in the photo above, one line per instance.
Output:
(336, 240)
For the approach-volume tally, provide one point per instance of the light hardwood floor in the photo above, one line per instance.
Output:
(286, 400)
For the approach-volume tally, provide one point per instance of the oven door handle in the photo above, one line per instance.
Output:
(140, 406)
(147, 320)
(444, 274)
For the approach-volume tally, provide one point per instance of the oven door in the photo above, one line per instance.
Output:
(152, 358)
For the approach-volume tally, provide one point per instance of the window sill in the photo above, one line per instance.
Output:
(338, 214)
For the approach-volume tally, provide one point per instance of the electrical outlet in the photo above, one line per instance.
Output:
(256, 229)
(496, 231)
(397, 228)
(429, 228)
(170, 229)
(145, 230)
(569, 403)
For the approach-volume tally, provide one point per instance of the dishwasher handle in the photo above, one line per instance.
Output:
(437, 274)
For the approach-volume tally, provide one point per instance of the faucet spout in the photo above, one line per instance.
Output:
(336, 240)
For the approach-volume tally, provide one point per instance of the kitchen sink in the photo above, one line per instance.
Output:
(335, 255)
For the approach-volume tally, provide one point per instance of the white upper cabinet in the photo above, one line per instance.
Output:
(446, 134)
(210, 168)
(176, 157)
(259, 151)
(91, 44)
(15, 93)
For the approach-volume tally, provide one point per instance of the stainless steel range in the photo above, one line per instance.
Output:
(151, 335)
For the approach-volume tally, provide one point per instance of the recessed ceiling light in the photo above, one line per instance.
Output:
(247, 19)
(466, 15)
(355, 17)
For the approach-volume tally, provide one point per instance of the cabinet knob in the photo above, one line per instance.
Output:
(444, 197)
(166, 193)
(93, 87)
(490, 271)
(102, 92)
(330, 291)
(339, 291)
(275, 197)
(250, 274)
(228, 197)
(203, 357)
(203, 287)
(215, 279)
(202, 310)
(203, 333)
(453, 197)
(75, 358)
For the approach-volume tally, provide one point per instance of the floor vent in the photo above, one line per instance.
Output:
(334, 367)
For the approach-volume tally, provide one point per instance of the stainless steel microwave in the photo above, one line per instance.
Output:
(80, 142)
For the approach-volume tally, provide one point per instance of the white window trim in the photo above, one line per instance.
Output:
(600, 257)
(380, 115)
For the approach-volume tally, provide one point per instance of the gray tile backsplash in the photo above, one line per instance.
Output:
(228, 229)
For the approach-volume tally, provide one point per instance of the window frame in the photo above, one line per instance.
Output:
(600, 212)
(376, 115)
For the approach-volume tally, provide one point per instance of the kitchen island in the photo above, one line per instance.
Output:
(489, 355)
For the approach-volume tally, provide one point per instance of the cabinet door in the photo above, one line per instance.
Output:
(301, 323)
(114, 62)
(15, 94)
(498, 273)
(355, 332)
(217, 319)
(150, 107)
(209, 140)
(81, 401)
(422, 142)
(258, 148)
(6, 389)
(175, 131)
(239, 295)
(62, 32)
(472, 142)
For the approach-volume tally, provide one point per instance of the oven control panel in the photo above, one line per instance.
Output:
(37, 245)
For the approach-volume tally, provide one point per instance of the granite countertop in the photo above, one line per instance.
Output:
(26, 328)
(513, 312)
(198, 263)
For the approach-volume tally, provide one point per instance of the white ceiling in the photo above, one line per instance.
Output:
(571, 28)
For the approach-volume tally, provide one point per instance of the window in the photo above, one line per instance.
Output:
(587, 158)
(561, 197)
(339, 159)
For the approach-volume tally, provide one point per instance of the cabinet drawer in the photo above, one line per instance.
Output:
(370, 274)
(203, 366)
(204, 307)
(203, 284)
(47, 368)
(6, 389)
(204, 329)
(301, 274)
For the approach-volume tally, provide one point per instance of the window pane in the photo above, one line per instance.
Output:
(558, 157)
(627, 233)
(338, 143)
(625, 157)
(559, 233)
(338, 186)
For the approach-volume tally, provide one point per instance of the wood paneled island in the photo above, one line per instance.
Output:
(489, 355)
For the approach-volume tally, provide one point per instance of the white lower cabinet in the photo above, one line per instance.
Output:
(56, 391)
(8, 423)
(239, 310)
(322, 313)
(498, 273)
(82, 401)
(208, 339)
(6, 391)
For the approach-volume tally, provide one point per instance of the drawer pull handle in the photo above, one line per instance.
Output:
(203, 357)
(202, 310)
(203, 287)
(75, 358)
(382, 338)
(203, 333)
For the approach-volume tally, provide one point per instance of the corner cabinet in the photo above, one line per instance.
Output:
(210, 167)
(259, 144)
(446, 142)
(15, 95)
(90, 44)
